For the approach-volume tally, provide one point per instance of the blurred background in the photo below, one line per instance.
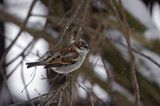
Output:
(121, 69)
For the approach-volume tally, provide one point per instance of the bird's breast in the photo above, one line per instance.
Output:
(72, 67)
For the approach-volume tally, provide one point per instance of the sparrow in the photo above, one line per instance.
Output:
(65, 60)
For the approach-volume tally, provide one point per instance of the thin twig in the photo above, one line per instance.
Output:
(35, 32)
(69, 22)
(60, 89)
(19, 33)
(23, 55)
(83, 21)
(23, 81)
(110, 83)
(32, 100)
(60, 99)
(24, 50)
(131, 58)
(90, 94)
(134, 50)
(71, 93)
(141, 54)
(38, 92)
(52, 85)
(29, 82)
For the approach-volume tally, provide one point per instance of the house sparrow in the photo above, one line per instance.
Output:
(66, 60)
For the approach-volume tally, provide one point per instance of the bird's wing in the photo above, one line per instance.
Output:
(63, 60)
(67, 50)
(54, 55)
(46, 56)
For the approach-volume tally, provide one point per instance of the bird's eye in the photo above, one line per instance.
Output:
(86, 46)
(82, 45)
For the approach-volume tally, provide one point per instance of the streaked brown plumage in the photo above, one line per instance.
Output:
(65, 60)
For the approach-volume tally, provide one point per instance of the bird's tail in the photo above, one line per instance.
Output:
(33, 64)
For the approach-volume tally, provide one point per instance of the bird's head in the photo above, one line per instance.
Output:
(81, 46)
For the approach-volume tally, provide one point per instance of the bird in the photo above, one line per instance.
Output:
(65, 60)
